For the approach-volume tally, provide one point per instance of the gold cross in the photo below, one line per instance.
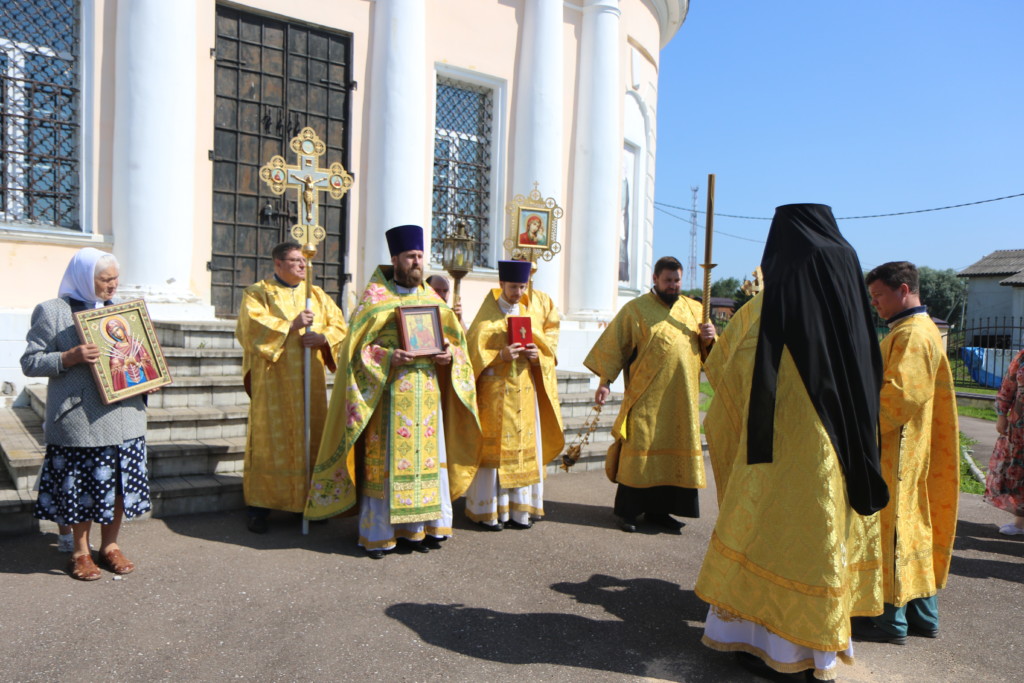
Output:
(309, 181)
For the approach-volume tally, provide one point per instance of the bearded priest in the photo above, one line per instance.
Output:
(402, 430)
(657, 341)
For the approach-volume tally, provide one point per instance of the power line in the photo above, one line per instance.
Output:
(717, 232)
(850, 218)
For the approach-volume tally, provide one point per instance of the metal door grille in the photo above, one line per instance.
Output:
(273, 77)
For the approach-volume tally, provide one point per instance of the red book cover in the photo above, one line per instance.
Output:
(519, 330)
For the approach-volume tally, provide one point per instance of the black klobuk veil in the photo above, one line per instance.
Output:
(816, 305)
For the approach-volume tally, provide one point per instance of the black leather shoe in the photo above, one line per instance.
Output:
(627, 525)
(865, 630)
(490, 527)
(257, 524)
(922, 632)
(757, 667)
(415, 546)
(432, 542)
(665, 521)
(375, 554)
(512, 524)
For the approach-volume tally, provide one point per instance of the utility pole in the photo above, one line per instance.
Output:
(692, 268)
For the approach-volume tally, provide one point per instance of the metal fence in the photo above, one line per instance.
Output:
(980, 351)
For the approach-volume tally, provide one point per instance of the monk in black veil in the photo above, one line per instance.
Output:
(792, 434)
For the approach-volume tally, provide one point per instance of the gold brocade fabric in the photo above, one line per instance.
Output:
(275, 470)
(788, 552)
(507, 392)
(657, 431)
(920, 461)
(397, 407)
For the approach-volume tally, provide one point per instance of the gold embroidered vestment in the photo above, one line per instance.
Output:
(272, 356)
(657, 430)
(381, 437)
(512, 394)
(920, 461)
(787, 552)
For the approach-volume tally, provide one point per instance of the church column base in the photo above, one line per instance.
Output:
(168, 304)
(578, 335)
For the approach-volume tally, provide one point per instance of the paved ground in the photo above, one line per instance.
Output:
(573, 599)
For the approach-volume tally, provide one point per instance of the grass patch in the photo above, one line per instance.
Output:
(968, 484)
(980, 413)
(706, 394)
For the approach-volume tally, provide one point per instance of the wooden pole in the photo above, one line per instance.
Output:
(709, 230)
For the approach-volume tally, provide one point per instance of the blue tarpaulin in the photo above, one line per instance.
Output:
(987, 366)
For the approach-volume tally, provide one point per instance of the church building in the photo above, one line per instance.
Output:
(140, 126)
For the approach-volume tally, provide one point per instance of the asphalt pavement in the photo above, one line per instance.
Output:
(572, 599)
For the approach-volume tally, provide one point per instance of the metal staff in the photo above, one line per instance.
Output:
(308, 251)
(709, 231)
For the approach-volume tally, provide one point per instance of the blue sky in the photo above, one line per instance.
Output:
(871, 107)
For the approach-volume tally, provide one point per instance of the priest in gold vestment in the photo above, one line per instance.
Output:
(402, 431)
(920, 460)
(270, 322)
(792, 435)
(658, 341)
(517, 392)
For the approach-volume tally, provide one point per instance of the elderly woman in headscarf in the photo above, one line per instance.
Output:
(95, 464)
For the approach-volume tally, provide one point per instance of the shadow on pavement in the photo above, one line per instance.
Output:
(650, 624)
(34, 553)
(985, 538)
(336, 536)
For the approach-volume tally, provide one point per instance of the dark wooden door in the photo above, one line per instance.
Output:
(273, 78)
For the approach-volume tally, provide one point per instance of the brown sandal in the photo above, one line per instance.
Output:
(115, 561)
(83, 568)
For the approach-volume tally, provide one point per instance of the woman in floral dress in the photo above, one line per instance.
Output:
(1004, 485)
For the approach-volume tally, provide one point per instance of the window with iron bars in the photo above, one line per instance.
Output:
(39, 113)
(462, 164)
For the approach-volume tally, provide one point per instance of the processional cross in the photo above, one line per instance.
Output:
(309, 181)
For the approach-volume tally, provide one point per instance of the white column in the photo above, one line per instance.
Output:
(153, 173)
(593, 244)
(395, 177)
(538, 123)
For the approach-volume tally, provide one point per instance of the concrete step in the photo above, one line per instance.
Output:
(577, 426)
(205, 334)
(574, 382)
(581, 404)
(188, 495)
(184, 362)
(196, 457)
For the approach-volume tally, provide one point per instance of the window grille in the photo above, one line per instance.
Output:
(462, 164)
(39, 103)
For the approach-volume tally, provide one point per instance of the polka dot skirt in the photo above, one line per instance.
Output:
(80, 484)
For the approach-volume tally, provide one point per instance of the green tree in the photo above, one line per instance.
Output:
(725, 287)
(692, 293)
(943, 292)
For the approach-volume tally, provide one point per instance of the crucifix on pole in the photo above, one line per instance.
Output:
(308, 180)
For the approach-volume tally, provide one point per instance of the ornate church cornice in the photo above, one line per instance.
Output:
(671, 15)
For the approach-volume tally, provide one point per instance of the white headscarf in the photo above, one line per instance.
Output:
(79, 281)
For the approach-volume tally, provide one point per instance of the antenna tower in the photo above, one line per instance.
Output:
(693, 239)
